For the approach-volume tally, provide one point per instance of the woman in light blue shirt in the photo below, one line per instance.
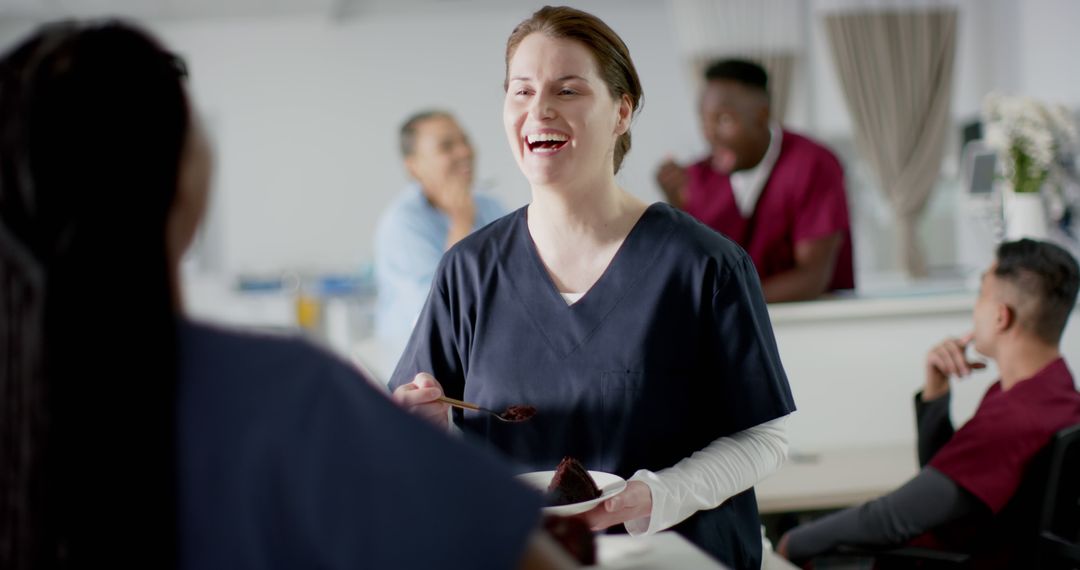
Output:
(433, 213)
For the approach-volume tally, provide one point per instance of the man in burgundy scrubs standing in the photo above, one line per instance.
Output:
(776, 193)
(958, 501)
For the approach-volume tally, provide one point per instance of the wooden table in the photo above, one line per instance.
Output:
(835, 479)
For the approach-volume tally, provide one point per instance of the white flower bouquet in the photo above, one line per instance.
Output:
(1031, 138)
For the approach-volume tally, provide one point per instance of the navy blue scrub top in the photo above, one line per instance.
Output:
(289, 458)
(671, 349)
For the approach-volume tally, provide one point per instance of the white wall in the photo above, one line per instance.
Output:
(306, 130)
(1049, 65)
(305, 111)
(854, 366)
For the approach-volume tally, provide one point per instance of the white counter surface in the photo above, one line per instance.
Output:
(857, 307)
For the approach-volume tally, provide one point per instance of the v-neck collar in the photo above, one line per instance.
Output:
(568, 327)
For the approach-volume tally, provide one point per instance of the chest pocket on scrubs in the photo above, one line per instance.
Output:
(622, 391)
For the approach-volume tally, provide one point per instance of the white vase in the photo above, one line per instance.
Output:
(1025, 216)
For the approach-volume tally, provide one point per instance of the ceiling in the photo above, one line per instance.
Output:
(157, 9)
(200, 9)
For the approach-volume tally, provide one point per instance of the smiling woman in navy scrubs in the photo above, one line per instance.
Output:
(640, 335)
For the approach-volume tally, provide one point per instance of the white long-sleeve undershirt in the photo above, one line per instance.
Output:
(724, 468)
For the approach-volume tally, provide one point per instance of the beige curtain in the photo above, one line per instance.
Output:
(895, 69)
(779, 65)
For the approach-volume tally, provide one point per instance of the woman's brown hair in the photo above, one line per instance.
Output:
(612, 56)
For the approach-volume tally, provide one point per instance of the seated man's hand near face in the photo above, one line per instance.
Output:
(947, 359)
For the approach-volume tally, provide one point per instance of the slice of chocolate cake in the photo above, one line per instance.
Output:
(574, 536)
(571, 484)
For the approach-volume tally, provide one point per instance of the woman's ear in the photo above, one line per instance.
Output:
(625, 114)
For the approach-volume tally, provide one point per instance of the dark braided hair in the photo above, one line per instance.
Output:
(93, 118)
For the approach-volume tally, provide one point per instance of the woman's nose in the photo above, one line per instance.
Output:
(541, 107)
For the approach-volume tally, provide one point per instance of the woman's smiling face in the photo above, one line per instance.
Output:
(560, 118)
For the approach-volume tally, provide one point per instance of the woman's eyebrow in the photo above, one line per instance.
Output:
(563, 78)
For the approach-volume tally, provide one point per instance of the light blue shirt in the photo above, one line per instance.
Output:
(409, 242)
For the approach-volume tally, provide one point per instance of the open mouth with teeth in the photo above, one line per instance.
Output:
(546, 143)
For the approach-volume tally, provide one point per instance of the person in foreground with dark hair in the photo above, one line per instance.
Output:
(969, 476)
(777, 193)
(132, 437)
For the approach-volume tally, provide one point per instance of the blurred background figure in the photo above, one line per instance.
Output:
(776, 193)
(436, 210)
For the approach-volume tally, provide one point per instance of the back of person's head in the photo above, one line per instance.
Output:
(741, 71)
(93, 119)
(612, 57)
(1047, 276)
(409, 129)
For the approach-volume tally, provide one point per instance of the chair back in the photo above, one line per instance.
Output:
(1058, 540)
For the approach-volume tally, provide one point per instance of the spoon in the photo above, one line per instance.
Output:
(513, 414)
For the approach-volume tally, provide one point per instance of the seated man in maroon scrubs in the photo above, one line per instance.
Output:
(778, 194)
(970, 475)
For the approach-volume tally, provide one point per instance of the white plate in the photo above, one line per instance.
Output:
(609, 484)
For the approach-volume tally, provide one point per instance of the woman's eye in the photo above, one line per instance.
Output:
(567, 92)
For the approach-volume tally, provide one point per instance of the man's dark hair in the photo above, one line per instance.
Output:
(1047, 272)
(741, 71)
(408, 128)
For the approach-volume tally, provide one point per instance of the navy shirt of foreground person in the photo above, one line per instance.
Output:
(671, 349)
(290, 459)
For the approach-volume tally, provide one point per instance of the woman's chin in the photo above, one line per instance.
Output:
(541, 176)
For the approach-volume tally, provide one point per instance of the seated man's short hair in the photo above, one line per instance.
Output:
(1049, 274)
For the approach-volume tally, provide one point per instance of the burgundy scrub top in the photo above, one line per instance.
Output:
(989, 454)
(803, 200)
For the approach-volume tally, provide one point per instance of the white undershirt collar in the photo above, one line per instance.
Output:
(748, 184)
(571, 298)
